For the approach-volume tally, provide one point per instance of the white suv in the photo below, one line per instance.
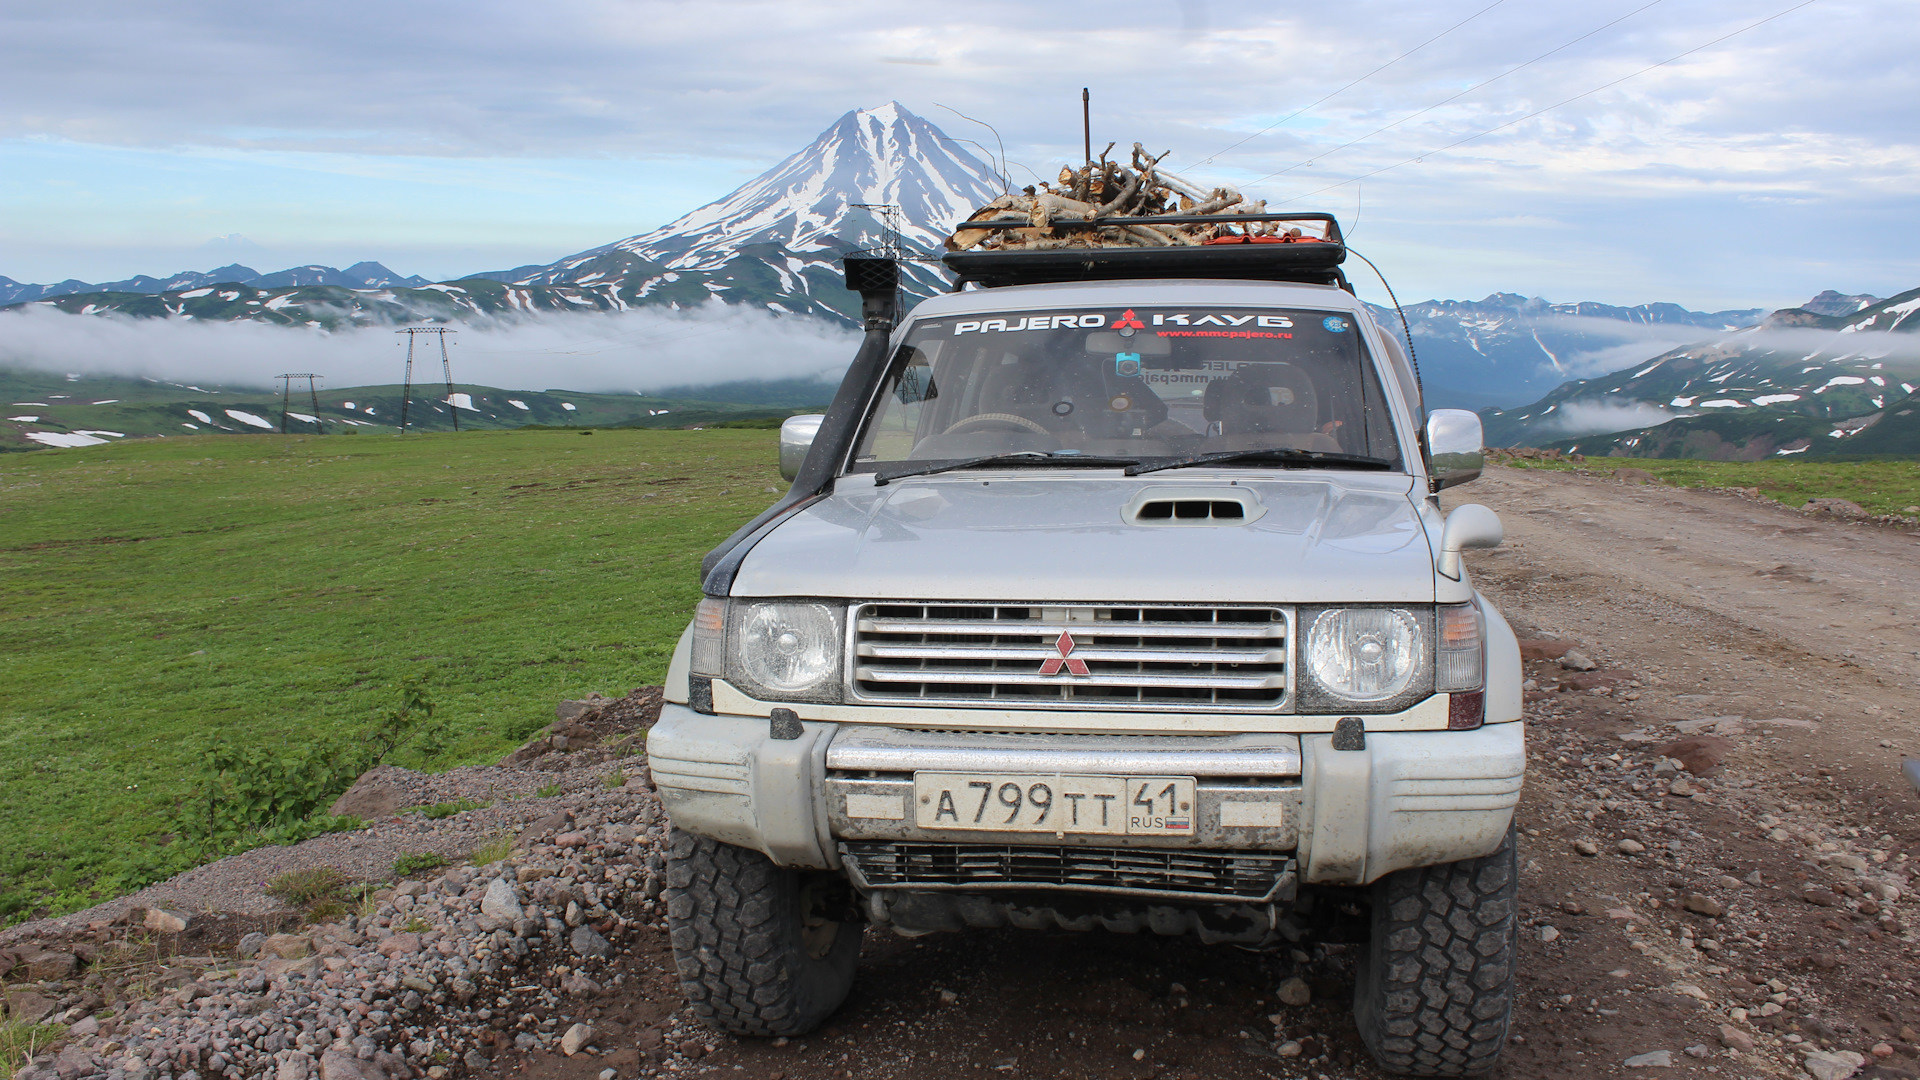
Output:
(1122, 602)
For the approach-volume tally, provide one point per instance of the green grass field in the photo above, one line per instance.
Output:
(1882, 487)
(274, 588)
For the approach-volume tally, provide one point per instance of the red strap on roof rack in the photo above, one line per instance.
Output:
(1262, 240)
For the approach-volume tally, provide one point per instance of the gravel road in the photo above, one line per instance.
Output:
(1745, 916)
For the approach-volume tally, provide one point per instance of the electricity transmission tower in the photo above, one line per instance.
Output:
(891, 246)
(446, 367)
(286, 392)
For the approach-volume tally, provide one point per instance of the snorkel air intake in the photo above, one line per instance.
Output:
(877, 280)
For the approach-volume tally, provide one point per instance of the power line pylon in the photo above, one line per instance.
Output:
(286, 392)
(446, 367)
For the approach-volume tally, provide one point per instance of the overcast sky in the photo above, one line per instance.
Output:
(446, 138)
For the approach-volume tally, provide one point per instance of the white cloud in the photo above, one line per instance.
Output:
(638, 350)
(1576, 418)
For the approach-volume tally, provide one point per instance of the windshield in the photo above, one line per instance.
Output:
(1137, 383)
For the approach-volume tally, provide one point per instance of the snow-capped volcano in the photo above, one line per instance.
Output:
(874, 156)
(777, 239)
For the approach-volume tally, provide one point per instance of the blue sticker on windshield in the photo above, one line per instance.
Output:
(1335, 323)
(1126, 364)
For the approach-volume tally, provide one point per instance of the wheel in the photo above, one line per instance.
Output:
(755, 954)
(1434, 994)
(997, 419)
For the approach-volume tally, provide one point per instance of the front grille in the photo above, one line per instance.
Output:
(1047, 656)
(1196, 874)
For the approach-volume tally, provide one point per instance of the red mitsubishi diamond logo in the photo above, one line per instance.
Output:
(1052, 664)
(1129, 319)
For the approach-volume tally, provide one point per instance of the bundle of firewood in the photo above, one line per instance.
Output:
(1090, 207)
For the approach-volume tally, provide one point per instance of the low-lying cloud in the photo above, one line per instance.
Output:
(1574, 419)
(643, 350)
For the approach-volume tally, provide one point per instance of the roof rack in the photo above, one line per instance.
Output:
(1312, 260)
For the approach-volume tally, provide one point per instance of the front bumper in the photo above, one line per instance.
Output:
(1347, 817)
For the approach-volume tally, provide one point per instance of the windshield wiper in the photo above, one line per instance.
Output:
(1276, 454)
(1020, 457)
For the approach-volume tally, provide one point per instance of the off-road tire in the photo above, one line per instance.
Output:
(1434, 992)
(740, 941)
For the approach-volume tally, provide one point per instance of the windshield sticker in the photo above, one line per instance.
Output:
(1335, 323)
(1129, 321)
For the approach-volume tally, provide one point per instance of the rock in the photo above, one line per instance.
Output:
(1699, 1050)
(1820, 897)
(948, 997)
(250, 945)
(527, 754)
(1692, 991)
(1575, 660)
(1680, 788)
(570, 840)
(1630, 847)
(1635, 476)
(609, 1074)
(1702, 904)
(162, 921)
(28, 1006)
(1833, 1064)
(1586, 847)
(288, 946)
(83, 1027)
(586, 941)
(1545, 649)
(1288, 1049)
(401, 944)
(1734, 1039)
(1657, 1059)
(575, 1039)
(306, 967)
(1848, 862)
(1840, 508)
(568, 711)
(477, 1062)
(335, 1065)
(577, 984)
(1294, 991)
(49, 964)
(1698, 754)
(502, 902)
(1549, 934)
(297, 1066)
(376, 794)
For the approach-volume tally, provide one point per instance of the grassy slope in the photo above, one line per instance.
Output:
(154, 592)
(1883, 487)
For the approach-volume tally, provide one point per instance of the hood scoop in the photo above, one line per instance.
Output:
(1161, 507)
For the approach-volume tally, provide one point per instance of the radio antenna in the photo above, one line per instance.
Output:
(1086, 124)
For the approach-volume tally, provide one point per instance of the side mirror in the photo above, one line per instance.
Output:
(1469, 526)
(796, 435)
(1456, 447)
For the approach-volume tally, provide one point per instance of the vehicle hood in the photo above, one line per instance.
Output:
(1026, 536)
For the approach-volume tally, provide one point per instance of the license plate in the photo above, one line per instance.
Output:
(1097, 805)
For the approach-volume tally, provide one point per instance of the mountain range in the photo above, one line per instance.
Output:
(1799, 382)
(361, 275)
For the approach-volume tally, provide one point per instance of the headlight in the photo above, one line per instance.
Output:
(1365, 653)
(791, 649)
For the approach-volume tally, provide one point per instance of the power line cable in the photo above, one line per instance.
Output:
(1540, 112)
(1461, 94)
(1306, 108)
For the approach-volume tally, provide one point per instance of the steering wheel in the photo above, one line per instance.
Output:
(996, 418)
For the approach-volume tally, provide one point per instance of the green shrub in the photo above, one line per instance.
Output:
(20, 1041)
(298, 887)
(413, 863)
(262, 794)
(492, 851)
(547, 792)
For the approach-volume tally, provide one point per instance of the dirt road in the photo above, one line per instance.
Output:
(1760, 901)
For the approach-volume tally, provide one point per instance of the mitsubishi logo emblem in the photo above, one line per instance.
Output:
(1052, 664)
(1129, 320)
